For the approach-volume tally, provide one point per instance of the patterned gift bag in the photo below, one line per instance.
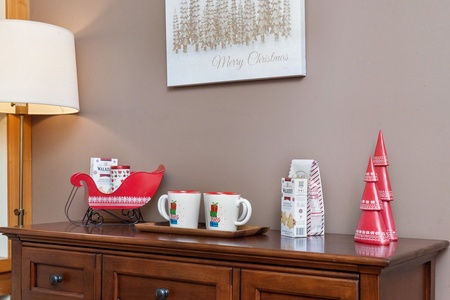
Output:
(309, 169)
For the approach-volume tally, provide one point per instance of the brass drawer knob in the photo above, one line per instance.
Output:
(55, 279)
(161, 294)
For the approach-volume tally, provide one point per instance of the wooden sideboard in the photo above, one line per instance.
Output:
(64, 261)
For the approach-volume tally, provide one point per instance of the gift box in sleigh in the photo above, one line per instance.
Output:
(134, 192)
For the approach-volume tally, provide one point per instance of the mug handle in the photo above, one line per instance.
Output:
(243, 213)
(162, 207)
(246, 211)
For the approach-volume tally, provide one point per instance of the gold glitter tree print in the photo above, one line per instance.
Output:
(220, 24)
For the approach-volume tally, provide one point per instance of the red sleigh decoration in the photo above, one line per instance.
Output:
(134, 192)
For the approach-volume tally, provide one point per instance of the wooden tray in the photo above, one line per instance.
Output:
(163, 227)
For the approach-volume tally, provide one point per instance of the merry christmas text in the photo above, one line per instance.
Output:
(254, 58)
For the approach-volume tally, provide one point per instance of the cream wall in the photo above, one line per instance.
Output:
(3, 165)
(370, 65)
(3, 186)
(2, 9)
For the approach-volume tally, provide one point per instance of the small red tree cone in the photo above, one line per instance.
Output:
(370, 200)
(371, 228)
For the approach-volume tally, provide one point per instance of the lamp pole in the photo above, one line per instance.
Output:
(21, 110)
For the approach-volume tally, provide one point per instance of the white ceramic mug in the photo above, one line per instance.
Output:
(183, 207)
(222, 210)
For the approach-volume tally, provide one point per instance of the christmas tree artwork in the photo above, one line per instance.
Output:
(219, 24)
(371, 228)
(380, 161)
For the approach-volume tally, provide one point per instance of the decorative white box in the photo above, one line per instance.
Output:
(101, 173)
(294, 202)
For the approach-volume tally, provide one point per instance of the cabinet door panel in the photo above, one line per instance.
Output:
(127, 278)
(73, 274)
(265, 285)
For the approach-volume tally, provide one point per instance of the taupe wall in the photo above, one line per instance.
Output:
(370, 65)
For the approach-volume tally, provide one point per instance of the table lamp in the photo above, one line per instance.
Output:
(38, 75)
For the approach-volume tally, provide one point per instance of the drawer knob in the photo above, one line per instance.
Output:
(161, 294)
(55, 279)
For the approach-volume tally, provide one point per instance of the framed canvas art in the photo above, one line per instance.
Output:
(211, 41)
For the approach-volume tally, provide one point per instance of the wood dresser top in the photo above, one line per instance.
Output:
(338, 250)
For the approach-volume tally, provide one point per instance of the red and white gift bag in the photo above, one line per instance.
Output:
(309, 169)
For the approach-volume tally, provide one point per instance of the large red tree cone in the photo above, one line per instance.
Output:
(385, 195)
(380, 157)
(388, 219)
(384, 186)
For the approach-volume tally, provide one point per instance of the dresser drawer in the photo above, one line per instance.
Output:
(128, 278)
(55, 274)
(266, 285)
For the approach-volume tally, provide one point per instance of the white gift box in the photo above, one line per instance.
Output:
(101, 172)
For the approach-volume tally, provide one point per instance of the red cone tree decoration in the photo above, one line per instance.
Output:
(380, 161)
(371, 228)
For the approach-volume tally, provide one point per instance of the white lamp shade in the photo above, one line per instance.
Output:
(38, 68)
